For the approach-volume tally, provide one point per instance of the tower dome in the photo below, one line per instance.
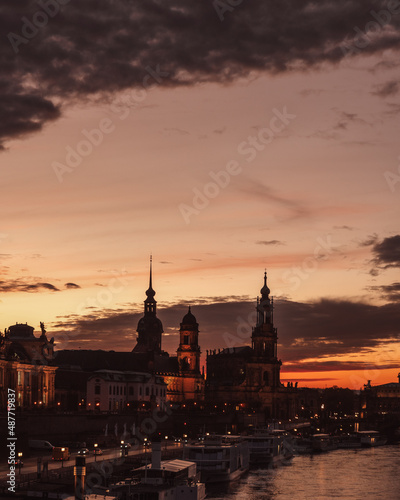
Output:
(149, 327)
(265, 291)
(189, 319)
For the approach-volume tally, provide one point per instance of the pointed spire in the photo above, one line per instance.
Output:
(151, 271)
(150, 292)
(265, 291)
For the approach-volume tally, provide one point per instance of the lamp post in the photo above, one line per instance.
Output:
(19, 461)
(95, 449)
(62, 457)
(145, 458)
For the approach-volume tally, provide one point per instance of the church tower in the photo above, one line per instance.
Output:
(264, 340)
(149, 327)
(189, 351)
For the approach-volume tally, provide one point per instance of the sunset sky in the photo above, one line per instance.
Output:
(223, 137)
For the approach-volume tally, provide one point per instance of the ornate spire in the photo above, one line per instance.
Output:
(265, 291)
(150, 292)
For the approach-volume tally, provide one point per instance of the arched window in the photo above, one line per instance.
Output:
(147, 391)
(266, 378)
(131, 391)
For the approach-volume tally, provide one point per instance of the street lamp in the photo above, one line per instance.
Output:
(145, 458)
(95, 449)
(62, 457)
(20, 461)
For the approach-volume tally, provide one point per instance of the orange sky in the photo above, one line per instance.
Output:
(306, 161)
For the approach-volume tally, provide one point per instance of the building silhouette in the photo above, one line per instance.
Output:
(249, 377)
(181, 373)
(26, 366)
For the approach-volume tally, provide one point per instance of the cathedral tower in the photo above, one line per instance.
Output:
(264, 340)
(189, 351)
(149, 327)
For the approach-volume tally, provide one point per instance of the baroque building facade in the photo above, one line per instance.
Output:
(249, 376)
(182, 373)
(109, 390)
(26, 366)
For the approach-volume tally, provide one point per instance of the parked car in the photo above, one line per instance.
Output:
(97, 451)
(83, 451)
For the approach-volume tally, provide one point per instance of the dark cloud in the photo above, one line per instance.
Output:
(92, 48)
(219, 130)
(71, 285)
(387, 89)
(317, 330)
(19, 285)
(394, 109)
(270, 242)
(387, 252)
(388, 292)
(369, 241)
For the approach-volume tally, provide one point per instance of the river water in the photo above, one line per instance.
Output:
(365, 474)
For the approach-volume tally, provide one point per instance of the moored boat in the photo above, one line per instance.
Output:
(371, 438)
(161, 480)
(219, 459)
(323, 442)
(269, 447)
(349, 442)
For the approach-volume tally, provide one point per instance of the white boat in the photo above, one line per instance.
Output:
(323, 442)
(303, 445)
(219, 459)
(269, 447)
(349, 442)
(371, 438)
(161, 480)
